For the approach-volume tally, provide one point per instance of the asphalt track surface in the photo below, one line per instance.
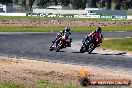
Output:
(35, 46)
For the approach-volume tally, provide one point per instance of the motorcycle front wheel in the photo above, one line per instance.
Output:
(82, 50)
(58, 47)
(51, 49)
(91, 48)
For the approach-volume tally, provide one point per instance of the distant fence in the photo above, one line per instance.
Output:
(67, 15)
(79, 16)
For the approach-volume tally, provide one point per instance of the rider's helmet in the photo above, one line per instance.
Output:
(98, 30)
(67, 29)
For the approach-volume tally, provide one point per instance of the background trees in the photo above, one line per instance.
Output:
(76, 4)
(6, 1)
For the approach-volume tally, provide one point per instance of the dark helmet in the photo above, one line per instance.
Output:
(98, 30)
(67, 28)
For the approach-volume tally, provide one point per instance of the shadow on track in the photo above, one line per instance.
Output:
(84, 52)
(117, 54)
(61, 51)
(76, 52)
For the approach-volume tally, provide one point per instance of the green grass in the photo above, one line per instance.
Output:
(58, 28)
(47, 84)
(10, 86)
(52, 18)
(49, 29)
(42, 18)
(118, 44)
(104, 29)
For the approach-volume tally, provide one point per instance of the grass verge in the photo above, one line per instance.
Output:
(51, 18)
(118, 44)
(47, 84)
(10, 86)
(58, 28)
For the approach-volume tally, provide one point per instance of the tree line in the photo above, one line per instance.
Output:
(75, 4)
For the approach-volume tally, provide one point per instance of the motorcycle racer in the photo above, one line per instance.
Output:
(59, 35)
(95, 34)
(67, 34)
(64, 33)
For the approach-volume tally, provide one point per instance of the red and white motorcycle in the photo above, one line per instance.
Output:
(95, 42)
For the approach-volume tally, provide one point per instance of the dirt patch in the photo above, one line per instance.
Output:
(55, 22)
(29, 72)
